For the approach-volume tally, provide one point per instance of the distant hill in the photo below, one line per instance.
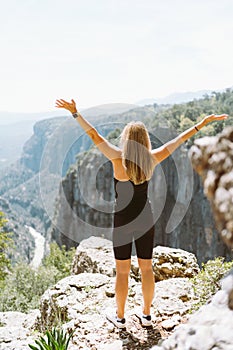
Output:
(7, 118)
(108, 108)
(16, 128)
(177, 97)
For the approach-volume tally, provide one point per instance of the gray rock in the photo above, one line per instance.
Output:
(173, 296)
(95, 255)
(68, 298)
(209, 328)
(15, 329)
(80, 302)
(227, 286)
(171, 322)
(212, 158)
(171, 262)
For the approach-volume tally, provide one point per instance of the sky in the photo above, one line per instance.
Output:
(106, 51)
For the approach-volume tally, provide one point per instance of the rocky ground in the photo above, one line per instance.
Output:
(84, 299)
(210, 328)
(81, 301)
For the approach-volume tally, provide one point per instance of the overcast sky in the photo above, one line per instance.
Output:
(103, 51)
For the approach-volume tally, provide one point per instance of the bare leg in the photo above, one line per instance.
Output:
(148, 283)
(121, 287)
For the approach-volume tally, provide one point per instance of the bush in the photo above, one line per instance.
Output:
(207, 282)
(59, 258)
(25, 285)
(5, 243)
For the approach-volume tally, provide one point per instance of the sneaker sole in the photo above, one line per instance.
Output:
(116, 324)
(149, 324)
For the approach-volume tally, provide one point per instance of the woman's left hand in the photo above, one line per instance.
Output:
(215, 117)
(70, 106)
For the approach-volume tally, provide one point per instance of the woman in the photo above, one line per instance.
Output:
(133, 165)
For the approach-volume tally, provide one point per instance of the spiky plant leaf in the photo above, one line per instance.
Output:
(44, 344)
(32, 347)
(41, 347)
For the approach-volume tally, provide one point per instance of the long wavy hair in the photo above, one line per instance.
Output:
(136, 152)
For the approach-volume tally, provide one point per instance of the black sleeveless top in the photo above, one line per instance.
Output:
(130, 200)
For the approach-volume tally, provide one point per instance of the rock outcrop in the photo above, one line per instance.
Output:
(209, 328)
(81, 301)
(172, 262)
(95, 255)
(212, 158)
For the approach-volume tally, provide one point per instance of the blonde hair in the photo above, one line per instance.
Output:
(136, 152)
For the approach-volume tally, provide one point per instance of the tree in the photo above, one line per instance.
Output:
(185, 123)
(5, 243)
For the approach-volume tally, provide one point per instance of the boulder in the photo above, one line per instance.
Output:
(95, 255)
(212, 158)
(71, 297)
(209, 328)
(174, 296)
(172, 262)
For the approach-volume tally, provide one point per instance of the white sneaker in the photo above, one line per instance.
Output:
(144, 319)
(118, 322)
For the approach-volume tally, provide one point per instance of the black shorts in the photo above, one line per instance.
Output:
(139, 229)
(144, 244)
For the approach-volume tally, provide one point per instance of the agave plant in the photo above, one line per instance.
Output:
(57, 339)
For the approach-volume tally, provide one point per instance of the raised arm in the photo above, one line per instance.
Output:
(109, 150)
(168, 148)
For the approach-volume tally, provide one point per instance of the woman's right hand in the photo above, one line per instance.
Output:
(214, 118)
(70, 106)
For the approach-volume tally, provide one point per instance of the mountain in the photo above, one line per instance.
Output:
(17, 128)
(108, 108)
(12, 139)
(14, 117)
(29, 186)
(177, 97)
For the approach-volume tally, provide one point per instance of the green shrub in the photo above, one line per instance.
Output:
(5, 243)
(207, 282)
(56, 340)
(24, 287)
(59, 258)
